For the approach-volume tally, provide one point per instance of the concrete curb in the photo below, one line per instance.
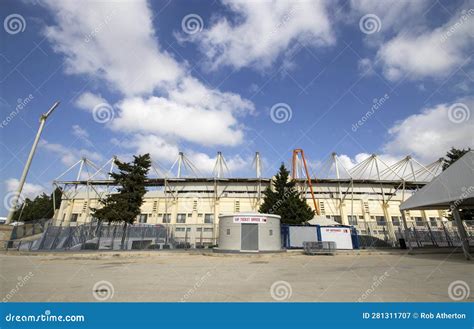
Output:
(164, 253)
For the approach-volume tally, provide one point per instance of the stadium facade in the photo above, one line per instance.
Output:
(366, 196)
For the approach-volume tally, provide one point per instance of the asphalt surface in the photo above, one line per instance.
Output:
(184, 276)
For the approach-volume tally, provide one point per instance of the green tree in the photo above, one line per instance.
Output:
(283, 198)
(451, 157)
(124, 206)
(38, 208)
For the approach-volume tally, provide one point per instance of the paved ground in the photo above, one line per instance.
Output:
(178, 276)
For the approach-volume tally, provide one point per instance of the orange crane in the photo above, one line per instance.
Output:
(308, 177)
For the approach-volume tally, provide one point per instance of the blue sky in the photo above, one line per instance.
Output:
(203, 77)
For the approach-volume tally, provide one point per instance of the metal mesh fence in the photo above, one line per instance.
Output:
(419, 237)
(99, 236)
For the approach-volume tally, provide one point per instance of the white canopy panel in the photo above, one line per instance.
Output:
(455, 186)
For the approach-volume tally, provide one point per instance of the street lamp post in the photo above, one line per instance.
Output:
(16, 196)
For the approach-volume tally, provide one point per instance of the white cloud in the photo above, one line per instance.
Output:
(88, 101)
(430, 134)
(29, 190)
(206, 163)
(112, 41)
(116, 42)
(365, 66)
(263, 31)
(435, 53)
(190, 113)
(165, 153)
(393, 14)
(68, 155)
(160, 149)
(347, 163)
(81, 134)
(426, 136)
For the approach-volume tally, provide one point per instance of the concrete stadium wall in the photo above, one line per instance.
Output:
(199, 201)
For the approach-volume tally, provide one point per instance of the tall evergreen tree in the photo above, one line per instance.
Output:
(452, 156)
(282, 198)
(124, 206)
(38, 208)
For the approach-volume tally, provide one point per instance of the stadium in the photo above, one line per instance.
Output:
(366, 196)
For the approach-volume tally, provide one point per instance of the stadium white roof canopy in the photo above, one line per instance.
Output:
(452, 188)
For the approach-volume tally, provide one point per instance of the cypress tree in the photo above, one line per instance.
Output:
(124, 206)
(285, 200)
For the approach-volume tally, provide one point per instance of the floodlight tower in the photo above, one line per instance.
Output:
(16, 196)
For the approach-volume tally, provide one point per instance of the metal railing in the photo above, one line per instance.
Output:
(420, 237)
(103, 236)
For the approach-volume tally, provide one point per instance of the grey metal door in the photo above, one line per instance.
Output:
(249, 237)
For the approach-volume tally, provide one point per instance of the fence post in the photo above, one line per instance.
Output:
(99, 233)
(431, 235)
(448, 238)
(462, 233)
(68, 242)
(143, 237)
(53, 245)
(113, 237)
(185, 237)
(418, 242)
(407, 230)
(200, 237)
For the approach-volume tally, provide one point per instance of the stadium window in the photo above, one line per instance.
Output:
(335, 218)
(208, 229)
(396, 220)
(270, 232)
(166, 218)
(179, 229)
(433, 221)
(380, 220)
(352, 219)
(181, 218)
(209, 218)
(74, 218)
(228, 231)
(419, 221)
(143, 218)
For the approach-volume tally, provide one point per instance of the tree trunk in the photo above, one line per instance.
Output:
(123, 235)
